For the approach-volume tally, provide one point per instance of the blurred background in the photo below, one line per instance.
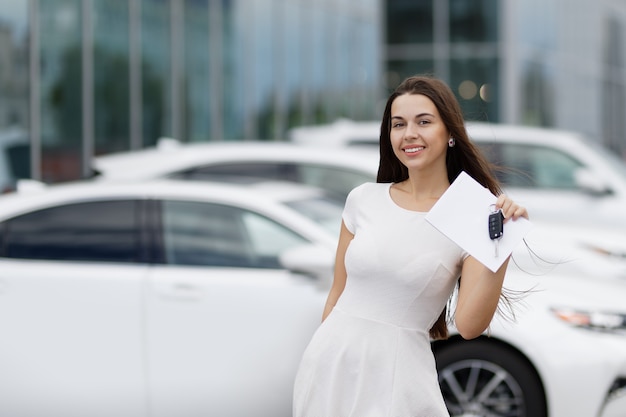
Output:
(193, 275)
(80, 78)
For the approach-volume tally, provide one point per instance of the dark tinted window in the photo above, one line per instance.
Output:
(473, 20)
(216, 235)
(337, 181)
(399, 69)
(19, 160)
(234, 171)
(94, 231)
(475, 81)
(409, 21)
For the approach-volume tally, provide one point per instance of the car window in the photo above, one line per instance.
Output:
(322, 210)
(336, 180)
(266, 170)
(196, 233)
(105, 231)
(532, 166)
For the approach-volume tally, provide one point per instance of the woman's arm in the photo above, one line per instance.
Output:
(480, 289)
(339, 281)
(479, 294)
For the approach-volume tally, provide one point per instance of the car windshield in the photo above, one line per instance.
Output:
(322, 210)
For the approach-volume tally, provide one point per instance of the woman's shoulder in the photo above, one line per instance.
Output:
(368, 189)
(370, 186)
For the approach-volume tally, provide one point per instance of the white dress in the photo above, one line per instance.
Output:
(371, 357)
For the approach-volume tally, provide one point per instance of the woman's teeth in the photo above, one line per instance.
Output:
(413, 150)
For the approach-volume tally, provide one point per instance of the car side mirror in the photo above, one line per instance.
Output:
(312, 260)
(591, 183)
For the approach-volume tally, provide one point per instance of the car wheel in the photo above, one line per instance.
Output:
(479, 378)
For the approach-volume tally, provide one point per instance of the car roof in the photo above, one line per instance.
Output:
(481, 133)
(277, 191)
(491, 132)
(170, 157)
(264, 197)
(340, 132)
(347, 132)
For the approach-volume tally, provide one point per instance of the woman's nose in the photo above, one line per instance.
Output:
(411, 131)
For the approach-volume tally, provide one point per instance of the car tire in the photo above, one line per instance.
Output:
(483, 378)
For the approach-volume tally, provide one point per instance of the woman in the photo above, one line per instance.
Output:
(394, 272)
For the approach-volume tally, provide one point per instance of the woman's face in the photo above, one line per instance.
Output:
(418, 136)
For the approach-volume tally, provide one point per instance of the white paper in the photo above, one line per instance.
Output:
(462, 214)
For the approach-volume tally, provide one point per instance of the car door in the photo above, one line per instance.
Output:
(226, 325)
(70, 312)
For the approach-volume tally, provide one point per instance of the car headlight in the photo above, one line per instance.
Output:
(593, 320)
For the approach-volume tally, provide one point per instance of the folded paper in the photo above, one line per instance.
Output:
(462, 214)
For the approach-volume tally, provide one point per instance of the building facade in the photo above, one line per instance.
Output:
(85, 77)
(554, 63)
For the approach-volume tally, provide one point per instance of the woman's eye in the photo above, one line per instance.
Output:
(398, 124)
(424, 122)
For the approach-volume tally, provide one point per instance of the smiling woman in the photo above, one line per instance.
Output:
(419, 136)
(395, 273)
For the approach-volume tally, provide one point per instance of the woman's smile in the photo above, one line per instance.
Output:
(413, 150)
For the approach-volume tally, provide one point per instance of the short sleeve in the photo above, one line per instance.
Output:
(350, 210)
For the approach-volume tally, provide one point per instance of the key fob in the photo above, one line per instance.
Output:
(496, 225)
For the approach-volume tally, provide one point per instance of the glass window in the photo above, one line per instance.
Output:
(613, 89)
(14, 158)
(337, 181)
(217, 235)
(195, 94)
(105, 231)
(533, 166)
(398, 70)
(473, 20)
(14, 85)
(323, 211)
(230, 171)
(409, 21)
(111, 75)
(475, 81)
(18, 157)
(156, 48)
(268, 239)
(61, 55)
(538, 106)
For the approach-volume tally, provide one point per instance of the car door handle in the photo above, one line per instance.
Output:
(182, 291)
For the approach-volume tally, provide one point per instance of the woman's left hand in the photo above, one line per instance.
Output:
(510, 209)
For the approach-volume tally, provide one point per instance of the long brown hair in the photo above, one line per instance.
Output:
(464, 156)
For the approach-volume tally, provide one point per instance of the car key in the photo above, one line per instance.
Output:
(496, 228)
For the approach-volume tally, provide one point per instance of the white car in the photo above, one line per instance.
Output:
(337, 170)
(568, 308)
(177, 298)
(563, 355)
(559, 176)
(165, 299)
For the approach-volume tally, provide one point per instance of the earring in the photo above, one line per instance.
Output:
(451, 142)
